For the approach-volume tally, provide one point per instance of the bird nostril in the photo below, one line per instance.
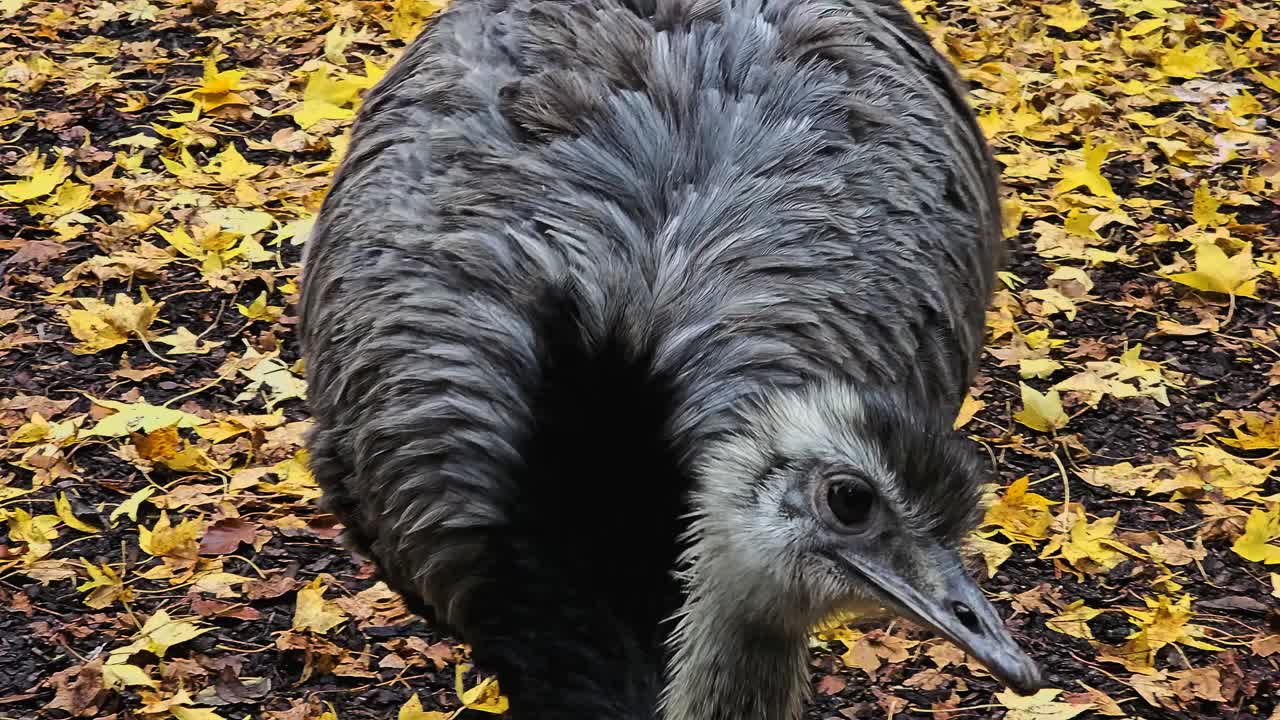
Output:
(966, 616)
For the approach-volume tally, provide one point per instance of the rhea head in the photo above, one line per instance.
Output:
(840, 500)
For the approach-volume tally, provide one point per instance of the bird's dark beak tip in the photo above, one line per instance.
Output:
(1027, 680)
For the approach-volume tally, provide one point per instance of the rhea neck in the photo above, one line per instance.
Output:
(732, 656)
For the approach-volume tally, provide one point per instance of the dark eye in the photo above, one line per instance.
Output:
(850, 502)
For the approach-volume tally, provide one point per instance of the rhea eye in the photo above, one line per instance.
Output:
(850, 502)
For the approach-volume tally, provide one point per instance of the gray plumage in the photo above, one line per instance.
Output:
(592, 272)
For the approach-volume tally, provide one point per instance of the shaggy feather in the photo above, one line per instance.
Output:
(572, 244)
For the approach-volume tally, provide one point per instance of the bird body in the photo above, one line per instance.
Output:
(598, 287)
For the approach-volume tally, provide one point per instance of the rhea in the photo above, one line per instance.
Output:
(634, 331)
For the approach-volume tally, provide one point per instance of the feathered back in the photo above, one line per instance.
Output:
(752, 194)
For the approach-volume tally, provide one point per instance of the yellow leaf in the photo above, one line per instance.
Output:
(129, 508)
(1089, 547)
(219, 583)
(104, 586)
(166, 540)
(1074, 620)
(1069, 17)
(484, 697)
(1054, 302)
(40, 181)
(314, 613)
(239, 221)
(184, 342)
(968, 409)
(9, 8)
(183, 243)
(1020, 515)
(70, 197)
(410, 16)
(325, 98)
(1040, 706)
(1128, 377)
(1162, 623)
(260, 310)
(139, 417)
(1088, 172)
(157, 635)
(993, 553)
(336, 42)
(275, 375)
(412, 710)
(1215, 272)
(37, 533)
(217, 88)
(100, 326)
(33, 431)
(1204, 207)
(1261, 539)
(62, 506)
(1270, 81)
(1038, 368)
(122, 674)
(1182, 62)
(1244, 104)
(1041, 411)
(230, 165)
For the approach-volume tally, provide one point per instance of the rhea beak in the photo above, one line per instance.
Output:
(938, 593)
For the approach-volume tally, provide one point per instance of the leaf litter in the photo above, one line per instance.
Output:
(161, 556)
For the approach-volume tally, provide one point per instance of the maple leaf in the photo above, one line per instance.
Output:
(1261, 539)
(295, 478)
(129, 508)
(1070, 17)
(1204, 207)
(1089, 546)
(229, 165)
(271, 374)
(40, 181)
(1130, 376)
(1183, 62)
(104, 586)
(325, 98)
(1020, 515)
(1215, 272)
(99, 326)
(1211, 467)
(1074, 620)
(36, 532)
(968, 408)
(62, 507)
(1162, 623)
(181, 542)
(410, 15)
(1169, 551)
(313, 612)
(138, 417)
(484, 697)
(993, 554)
(1088, 172)
(184, 342)
(1259, 433)
(1041, 411)
(260, 310)
(1039, 706)
(217, 88)
(412, 710)
(157, 635)
(1124, 477)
